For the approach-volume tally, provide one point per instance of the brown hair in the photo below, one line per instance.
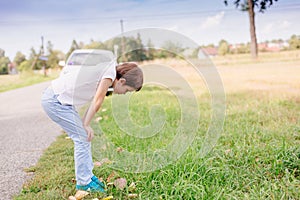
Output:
(131, 73)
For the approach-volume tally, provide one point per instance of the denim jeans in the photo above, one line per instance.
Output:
(68, 118)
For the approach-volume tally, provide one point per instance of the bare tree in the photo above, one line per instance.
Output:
(249, 6)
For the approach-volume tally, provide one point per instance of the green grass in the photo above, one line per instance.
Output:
(10, 82)
(256, 157)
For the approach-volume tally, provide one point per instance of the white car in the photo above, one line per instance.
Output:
(91, 57)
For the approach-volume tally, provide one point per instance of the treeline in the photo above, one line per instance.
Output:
(225, 47)
(134, 48)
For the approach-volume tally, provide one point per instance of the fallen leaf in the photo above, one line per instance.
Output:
(110, 177)
(108, 198)
(98, 119)
(131, 187)
(120, 183)
(227, 151)
(110, 184)
(131, 196)
(119, 149)
(105, 160)
(98, 164)
(257, 159)
(80, 194)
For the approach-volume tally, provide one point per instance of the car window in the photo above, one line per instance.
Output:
(88, 59)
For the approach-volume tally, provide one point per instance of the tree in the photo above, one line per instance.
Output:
(49, 47)
(54, 58)
(294, 42)
(223, 47)
(4, 61)
(34, 59)
(73, 47)
(150, 50)
(19, 58)
(24, 66)
(249, 5)
(95, 45)
(139, 52)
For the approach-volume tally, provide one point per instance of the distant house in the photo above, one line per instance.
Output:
(272, 46)
(12, 68)
(210, 51)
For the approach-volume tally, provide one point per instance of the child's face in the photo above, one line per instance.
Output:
(121, 88)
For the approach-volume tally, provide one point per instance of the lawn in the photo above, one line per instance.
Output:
(257, 155)
(10, 82)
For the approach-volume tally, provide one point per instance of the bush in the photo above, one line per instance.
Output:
(4, 61)
(24, 66)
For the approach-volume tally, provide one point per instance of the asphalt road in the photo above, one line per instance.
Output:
(25, 131)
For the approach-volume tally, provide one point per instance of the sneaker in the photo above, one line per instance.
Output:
(96, 180)
(91, 187)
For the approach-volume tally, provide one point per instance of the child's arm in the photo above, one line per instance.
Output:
(95, 106)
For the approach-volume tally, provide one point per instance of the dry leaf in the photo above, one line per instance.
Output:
(71, 198)
(80, 194)
(105, 160)
(131, 196)
(98, 119)
(119, 149)
(110, 184)
(227, 151)
(110, 177)
(131, 187)
(98, 164)
(108, 198)
(120, 183)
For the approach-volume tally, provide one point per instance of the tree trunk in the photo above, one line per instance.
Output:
(252, 29)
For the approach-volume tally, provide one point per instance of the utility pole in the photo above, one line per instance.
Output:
(41, 53)
(123, 45)
(42, 47)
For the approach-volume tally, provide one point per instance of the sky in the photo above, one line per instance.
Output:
(23, 22)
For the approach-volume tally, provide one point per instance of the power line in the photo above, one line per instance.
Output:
(146, 17)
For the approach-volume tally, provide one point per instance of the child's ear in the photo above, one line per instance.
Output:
(123, 81)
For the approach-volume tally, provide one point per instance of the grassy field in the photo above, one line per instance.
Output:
(10, 82)
(257, 155)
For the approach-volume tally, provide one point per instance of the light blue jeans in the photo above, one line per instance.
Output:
(69, 120)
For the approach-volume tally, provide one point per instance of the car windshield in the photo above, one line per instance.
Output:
(88, 59)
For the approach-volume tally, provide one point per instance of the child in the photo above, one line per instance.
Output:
(79, 84)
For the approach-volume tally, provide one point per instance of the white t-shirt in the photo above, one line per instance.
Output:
(77, 84)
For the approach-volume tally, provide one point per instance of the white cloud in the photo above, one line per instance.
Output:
(276, 26)
(285, 24)
(213, 21)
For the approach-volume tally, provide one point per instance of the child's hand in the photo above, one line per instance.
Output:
(89, 132)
